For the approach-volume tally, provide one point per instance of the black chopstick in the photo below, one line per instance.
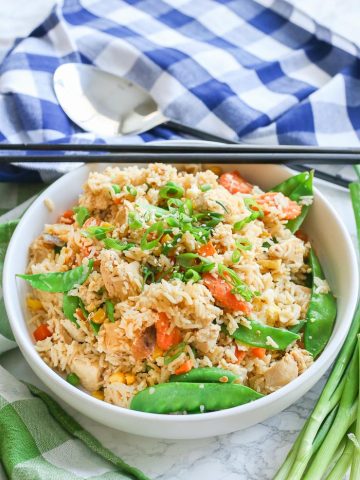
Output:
(224, 157)
(233, 147)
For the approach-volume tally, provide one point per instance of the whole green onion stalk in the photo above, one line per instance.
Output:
(329, 443)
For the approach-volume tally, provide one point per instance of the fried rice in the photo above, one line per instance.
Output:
(116, 357)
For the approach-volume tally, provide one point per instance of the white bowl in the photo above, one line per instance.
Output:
(336, 252)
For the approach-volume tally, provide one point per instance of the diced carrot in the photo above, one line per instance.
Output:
(164, 338)
(80, 314)
(234, 183)
(67, 217)
(184, 368)
(207, 250)
(302, 235)
(221, 291)
(287, 209)
(240, 354)
(42, 332)
(68, 214)
(258, 352)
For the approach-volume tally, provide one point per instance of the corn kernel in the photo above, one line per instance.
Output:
(129, 378)
(215, 169)
(271, 264)
(99, 394)
(165, 239)
(106, 224)
(157, 353)
(99, 316)
(34, 303)
(117, 377)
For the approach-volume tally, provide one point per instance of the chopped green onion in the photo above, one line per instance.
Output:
(132, 190)
(239, 286)
(171, 190)
(73, 379)
(109, 307)
(174, 352)
(112, 244)
(194, 262)
(82, 214)
(222, 205)
(178, 275)
(205, 187)
(191, 276)
(95, 326)
(170, 245)
(209, 219)
(253, 216)
(250, 202)
(134, 221)
(148, 273)
(243, 244)
(116, 188)
(157, 228)
(235, 257)
(97, 232)
(188, 207)
(172, 222)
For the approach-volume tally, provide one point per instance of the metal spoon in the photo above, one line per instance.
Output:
(107, 105)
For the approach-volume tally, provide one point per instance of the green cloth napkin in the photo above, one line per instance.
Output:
(38, 439)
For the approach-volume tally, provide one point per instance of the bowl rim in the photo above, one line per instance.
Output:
(13, 309)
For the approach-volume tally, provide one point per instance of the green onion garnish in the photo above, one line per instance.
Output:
(209, 219)
(73, 379)
(174, 352)
(191, 276)
(238, 285)
(112, 244)
(134, 221)
(97, 232)
(194, 262)
(253, 216)
(205, 187)
(171, 190)
(235, 257)
(95, 326)
(116, 188)
(82, 214)
(158, 229)
(243, 244)
(132, 190)
(109, 308)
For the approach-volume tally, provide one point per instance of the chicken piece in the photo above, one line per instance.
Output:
(144, 344)
(121, 279)
(291, 251)
(110, 338)
(88, 371)
(206, 338)
(73, 331)
(281, 373)
(302, 357)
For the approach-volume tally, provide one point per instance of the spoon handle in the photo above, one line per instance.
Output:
(179, 127)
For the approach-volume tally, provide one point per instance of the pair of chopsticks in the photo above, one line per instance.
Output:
(209, 153)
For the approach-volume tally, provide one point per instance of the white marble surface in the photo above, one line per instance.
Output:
(254, 453)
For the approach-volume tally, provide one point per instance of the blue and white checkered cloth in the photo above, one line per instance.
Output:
(262, 72)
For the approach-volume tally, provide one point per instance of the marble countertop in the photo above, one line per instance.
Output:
(243, 454)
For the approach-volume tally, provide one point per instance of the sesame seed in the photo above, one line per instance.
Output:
(151, 390)
(201, 385)
(202, 408)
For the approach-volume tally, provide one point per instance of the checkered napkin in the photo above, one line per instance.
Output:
(259, 71)
(38, 439)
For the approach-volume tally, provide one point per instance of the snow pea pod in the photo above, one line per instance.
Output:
(55, 282)
(263, 336)
(321, 313)
(296, 188)
(298, 327)
(192, 397)
(206, 375)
